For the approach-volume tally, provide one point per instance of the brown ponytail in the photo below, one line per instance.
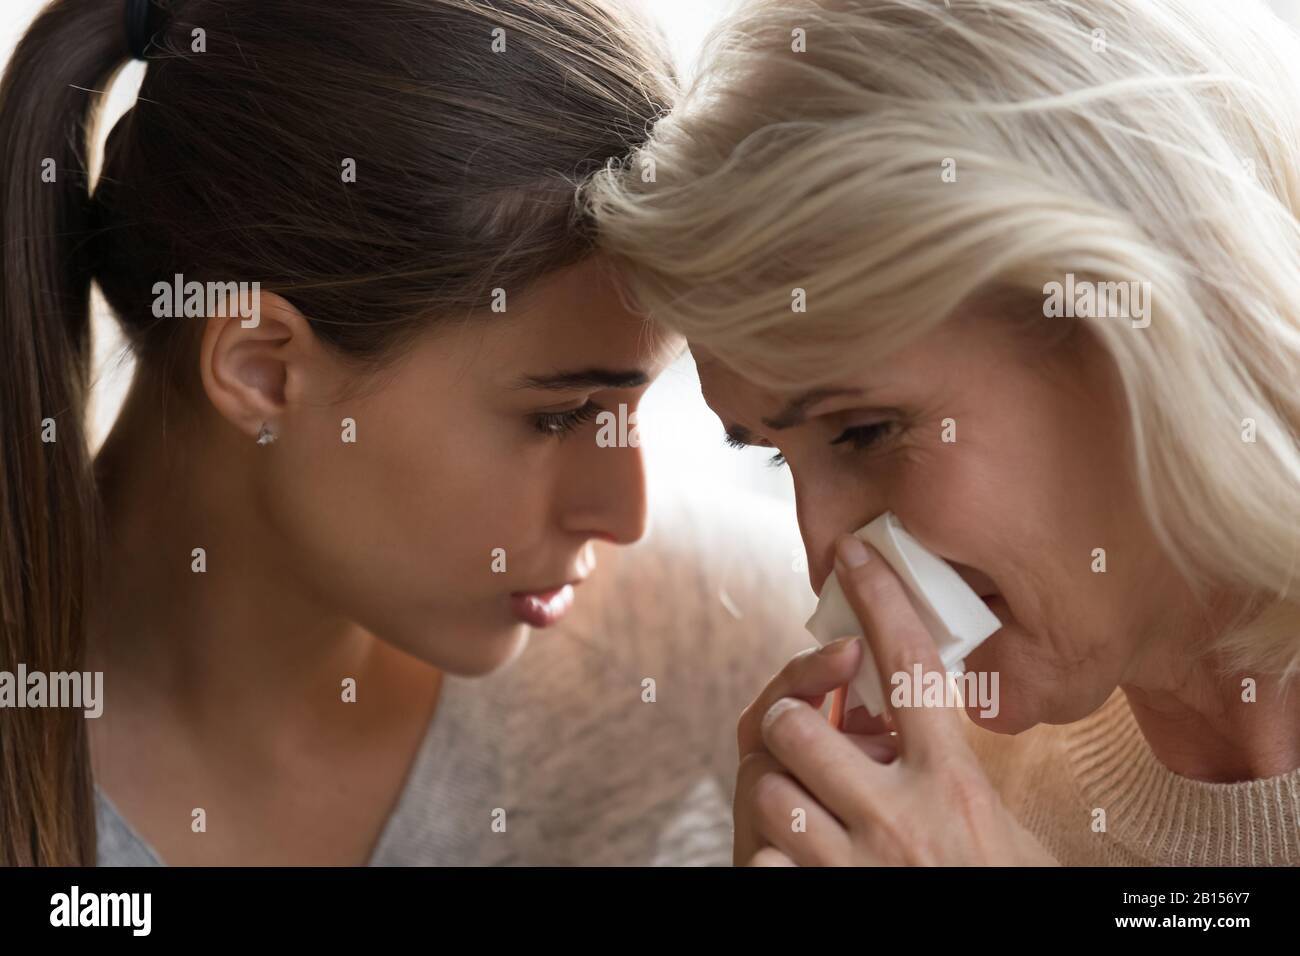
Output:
(46, 487)
(74, 47)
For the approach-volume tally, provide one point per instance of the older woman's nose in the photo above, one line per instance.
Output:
(821, 559)
(824, 515)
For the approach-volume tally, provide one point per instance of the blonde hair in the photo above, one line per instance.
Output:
(1119, 140)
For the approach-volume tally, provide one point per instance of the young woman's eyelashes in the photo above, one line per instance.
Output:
(559, 424)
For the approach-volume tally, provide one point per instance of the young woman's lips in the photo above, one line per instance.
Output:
(542, 608)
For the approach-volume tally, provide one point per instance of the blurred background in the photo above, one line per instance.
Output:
(681, 438)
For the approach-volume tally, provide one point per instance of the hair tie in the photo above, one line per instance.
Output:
(144, 18)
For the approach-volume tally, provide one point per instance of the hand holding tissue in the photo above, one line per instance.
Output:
(956, 617)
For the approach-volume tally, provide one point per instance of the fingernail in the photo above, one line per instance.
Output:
(852, 551)
(835, 647)
(777, 709)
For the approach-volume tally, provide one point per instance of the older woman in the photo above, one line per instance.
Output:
(1026, 276)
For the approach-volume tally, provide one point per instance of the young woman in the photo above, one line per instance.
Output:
(356, 470)
(1023, 274)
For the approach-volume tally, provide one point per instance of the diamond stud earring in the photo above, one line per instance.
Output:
(265, 436)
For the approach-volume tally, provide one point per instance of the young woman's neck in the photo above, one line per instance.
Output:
(230, 643)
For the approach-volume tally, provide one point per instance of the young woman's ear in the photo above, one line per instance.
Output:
(256, 362)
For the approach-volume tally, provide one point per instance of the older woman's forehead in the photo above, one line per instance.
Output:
(721, 382)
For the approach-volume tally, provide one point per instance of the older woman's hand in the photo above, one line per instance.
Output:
(868, 798)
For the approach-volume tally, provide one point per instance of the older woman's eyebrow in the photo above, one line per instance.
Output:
(796, 410)
(794, 413)
(585, 378)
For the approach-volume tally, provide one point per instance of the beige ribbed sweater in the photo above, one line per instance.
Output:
(1055, 778)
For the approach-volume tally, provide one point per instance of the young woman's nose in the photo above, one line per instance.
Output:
(607, 499)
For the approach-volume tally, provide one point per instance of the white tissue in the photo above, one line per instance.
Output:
(956, 617)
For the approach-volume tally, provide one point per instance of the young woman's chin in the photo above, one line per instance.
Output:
(472, 642)
(503, 631)
(476, 652)
(491, 652)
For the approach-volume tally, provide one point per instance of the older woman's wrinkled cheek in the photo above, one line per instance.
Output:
(996, 503)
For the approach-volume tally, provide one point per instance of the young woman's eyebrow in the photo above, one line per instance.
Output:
(585, 378)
